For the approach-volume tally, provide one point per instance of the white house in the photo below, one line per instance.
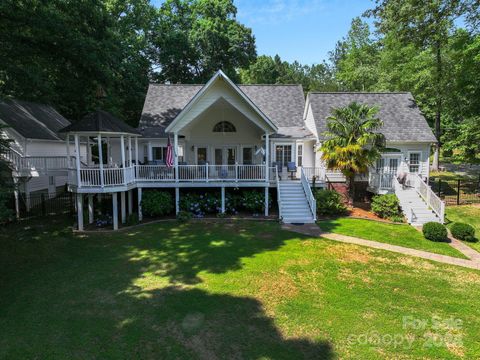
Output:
(229, 136)
(37, 153)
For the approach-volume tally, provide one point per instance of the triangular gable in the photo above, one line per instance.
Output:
(185, 116)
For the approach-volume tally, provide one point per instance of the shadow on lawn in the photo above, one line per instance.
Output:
(128, 296)
(185, 250)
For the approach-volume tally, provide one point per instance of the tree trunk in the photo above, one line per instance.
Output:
(438, 131)
(351, 189)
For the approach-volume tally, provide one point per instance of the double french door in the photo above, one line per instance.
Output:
(225, 155)
(387, 167)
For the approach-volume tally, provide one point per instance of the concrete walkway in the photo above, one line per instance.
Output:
(314, 230)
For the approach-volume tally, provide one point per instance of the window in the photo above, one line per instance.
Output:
(283, 154)
(414, 165)
(247, 154)
(224, 126)
(159, 153)
(201, 155)
(299, 155)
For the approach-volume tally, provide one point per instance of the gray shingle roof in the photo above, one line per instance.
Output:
(100, 121)
(33, 121)
(401, 116)
(282, 104)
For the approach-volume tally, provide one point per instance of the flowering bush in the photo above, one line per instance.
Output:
(200, 204)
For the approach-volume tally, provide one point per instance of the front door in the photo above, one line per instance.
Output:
(388, 168)
(283, 155)
(225, 156)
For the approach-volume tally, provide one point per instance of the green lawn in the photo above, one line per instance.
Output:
(468, 214)
(395, 234)
(226, 290)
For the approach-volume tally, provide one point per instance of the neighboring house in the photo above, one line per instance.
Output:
(225, 135)
(37, 154)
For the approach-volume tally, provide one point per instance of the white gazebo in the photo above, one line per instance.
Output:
(113, 172)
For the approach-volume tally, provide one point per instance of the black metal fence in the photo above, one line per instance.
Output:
(457, 191)
(41, 204)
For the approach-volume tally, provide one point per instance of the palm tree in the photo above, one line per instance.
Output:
(353, 142)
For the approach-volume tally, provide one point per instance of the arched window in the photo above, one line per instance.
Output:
(224, 126)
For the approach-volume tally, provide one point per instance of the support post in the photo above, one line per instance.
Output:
(140, 215)
(80, 211)
(130, 202)
(100, 159)
(90, 208)
(177, 200)
(77, 160)
(129, 151)
(267, 156)
(123, 208)
(15, 194)
(115, 211)
(136, 150)
(266, 200)
(175, 155)
(223, 200)
(122, 150)
(68, 151)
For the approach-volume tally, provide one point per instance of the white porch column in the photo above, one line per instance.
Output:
(129, 151)
(140, 215)
(80, 211)
(100, 159)
(68, 150)
(267, 156)
(77, 160)
(115, 211)
(123, 208)
(90, 208)
(122, 150)
(266, 200)
(175, 155)
(130, 202)
(88, 150)
(15, 194)
(223, 200)
(177, 200)
(136, 150)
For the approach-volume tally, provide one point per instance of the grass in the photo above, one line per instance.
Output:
(468, 214)
(449, 175)
(395, 234)
(226, 290)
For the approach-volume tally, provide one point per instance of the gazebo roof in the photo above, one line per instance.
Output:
(100, 122)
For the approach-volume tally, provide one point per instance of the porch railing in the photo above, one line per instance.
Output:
(279, 198)
(381, 181)
(308, 193)
(432, 200)
(95, 177)
(33, 163)
(310, 172)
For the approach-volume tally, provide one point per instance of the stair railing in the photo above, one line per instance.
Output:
(308, 193)
(279, 198)
(429, 196)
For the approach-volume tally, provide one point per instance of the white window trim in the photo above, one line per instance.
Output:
(293, 152)
(420, 161)
(299, 144)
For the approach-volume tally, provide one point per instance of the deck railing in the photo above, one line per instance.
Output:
(432, 200)
(95, 177)
(33, 163)
(308, 193)
(381, 180)
(317, 172)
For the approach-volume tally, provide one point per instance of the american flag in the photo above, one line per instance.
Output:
(169, 159)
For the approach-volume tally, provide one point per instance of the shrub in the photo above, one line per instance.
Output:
(462, 231)
(157, 203)
(132, 219)
(184, 216)
(254, 201)
(435, 231)
(329, 202)
(386, 206)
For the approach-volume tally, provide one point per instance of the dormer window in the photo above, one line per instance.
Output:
(224, 126)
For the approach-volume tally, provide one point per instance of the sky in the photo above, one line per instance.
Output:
(303, 30)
